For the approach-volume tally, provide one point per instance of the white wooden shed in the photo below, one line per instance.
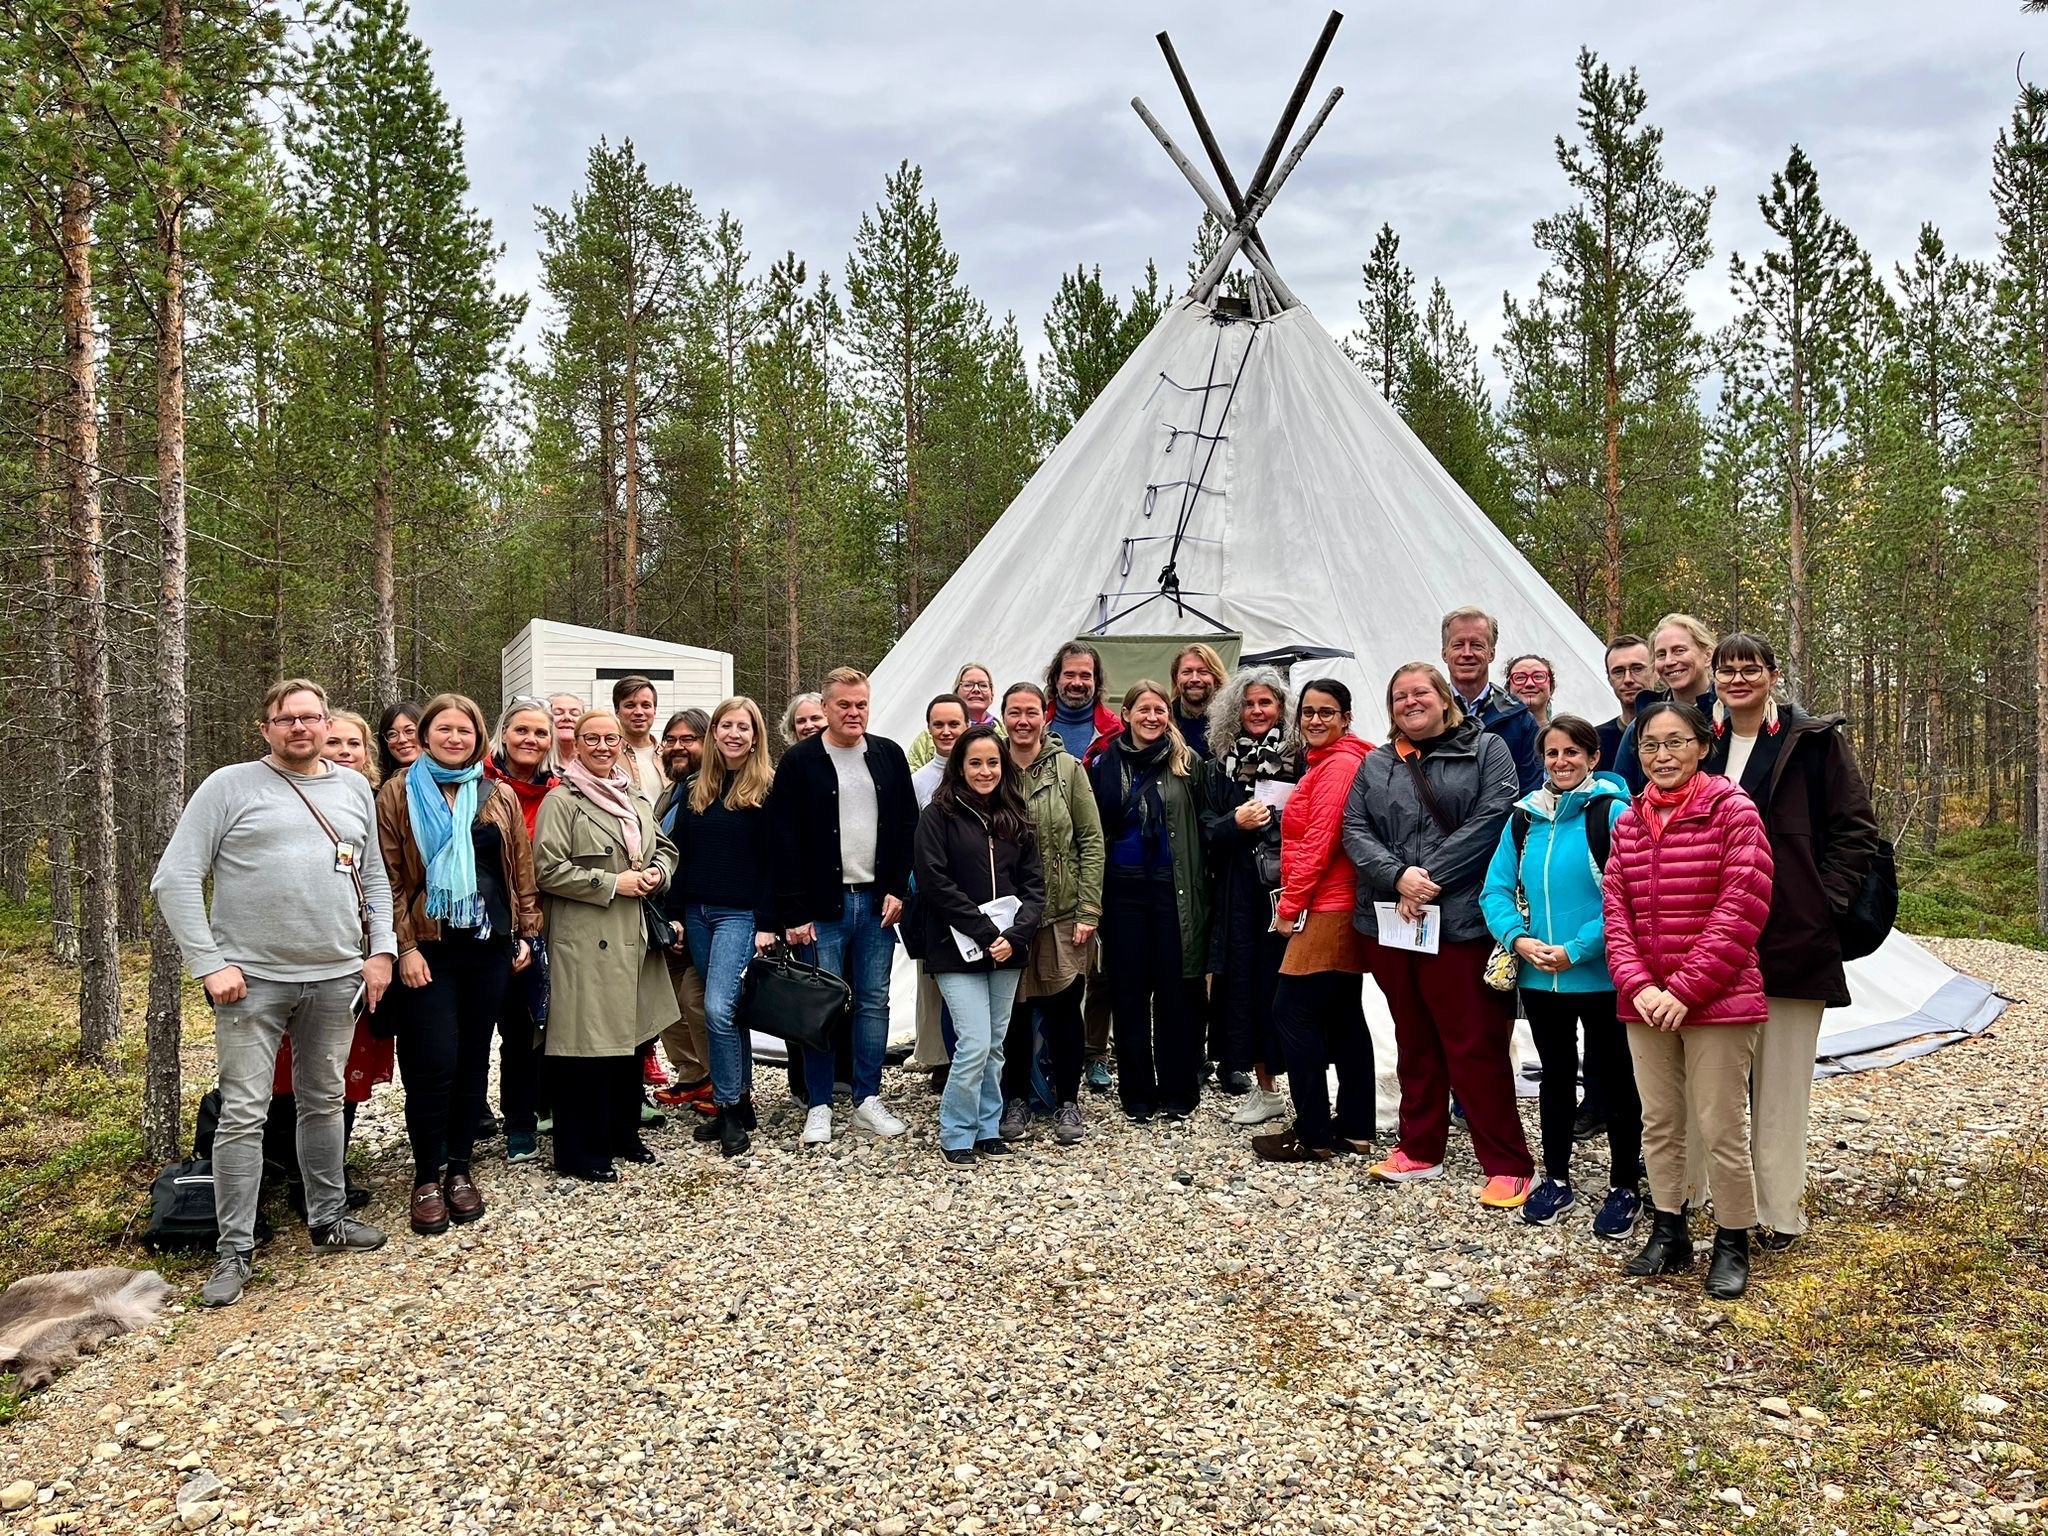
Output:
(547, 658)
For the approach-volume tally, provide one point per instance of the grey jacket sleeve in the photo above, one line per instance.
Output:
(377, 884)
(179, 884)
(1376, 862)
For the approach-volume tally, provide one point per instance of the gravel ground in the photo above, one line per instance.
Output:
(1147, 1332)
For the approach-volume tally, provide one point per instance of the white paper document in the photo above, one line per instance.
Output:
(1273, 792)
(1002, 912)
(1396, 932)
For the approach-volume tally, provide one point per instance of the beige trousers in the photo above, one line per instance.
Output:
(1699, 1073)
(930, 1053)
(1781, 1094)
(685, 1042)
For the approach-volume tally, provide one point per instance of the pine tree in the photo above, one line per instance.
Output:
(1798, 306)
(905, 310)
(1386, 318)
(404, 299)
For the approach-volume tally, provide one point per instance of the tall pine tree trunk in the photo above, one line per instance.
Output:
(99, 987)
(629, 585)
(383, 514)
(792, 581)
(59, 707)
(608, 511)
(2040, 623)
(163, 1086)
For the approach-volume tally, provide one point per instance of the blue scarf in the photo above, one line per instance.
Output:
(442, 832)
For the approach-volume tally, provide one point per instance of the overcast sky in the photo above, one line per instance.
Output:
(792, 114)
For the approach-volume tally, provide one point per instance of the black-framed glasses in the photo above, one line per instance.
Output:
(288, 721)
(1321, 712)
(1750, 674)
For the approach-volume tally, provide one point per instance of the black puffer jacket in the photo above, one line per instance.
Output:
(961, 863)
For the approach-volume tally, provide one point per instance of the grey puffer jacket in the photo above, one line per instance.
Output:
(1388, 828)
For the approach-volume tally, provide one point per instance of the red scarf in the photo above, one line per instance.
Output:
(530, 791)
(1666, 803)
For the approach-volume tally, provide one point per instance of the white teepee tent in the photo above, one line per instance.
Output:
(1240, 474)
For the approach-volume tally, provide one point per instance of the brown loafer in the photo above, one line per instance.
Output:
(465, 1201)
(429, 1210)
(1286, 1147)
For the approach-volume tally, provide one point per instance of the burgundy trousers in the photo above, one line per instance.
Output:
(1452, 1032)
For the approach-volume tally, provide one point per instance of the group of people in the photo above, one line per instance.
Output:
(1191, 885)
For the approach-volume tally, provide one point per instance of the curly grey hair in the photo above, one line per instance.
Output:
(1228, 706)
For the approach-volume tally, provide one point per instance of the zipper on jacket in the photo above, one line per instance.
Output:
(1549, 843)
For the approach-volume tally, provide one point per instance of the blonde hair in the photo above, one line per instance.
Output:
(1459, 616)
(440, 704)
(1441, 685)
(740, 791)
(597, 714)
(973, 666)
(1180, 756)
(1210, 658)
(843, 677)
(1697, 632)
(371, 769)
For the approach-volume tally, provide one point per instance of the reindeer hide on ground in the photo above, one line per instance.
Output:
(48, 1321)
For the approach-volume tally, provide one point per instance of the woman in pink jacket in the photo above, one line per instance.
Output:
(1688, 888)
(1319, 1002)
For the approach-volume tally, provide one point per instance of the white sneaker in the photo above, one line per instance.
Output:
(1259, 1106)
(818, 1126)
(872, 1115)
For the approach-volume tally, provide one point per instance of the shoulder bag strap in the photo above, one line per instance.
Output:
(355, 875)
(1436, 812)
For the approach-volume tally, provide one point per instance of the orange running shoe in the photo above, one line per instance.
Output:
(1502, 1193)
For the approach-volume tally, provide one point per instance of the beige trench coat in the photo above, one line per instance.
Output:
(608, 994)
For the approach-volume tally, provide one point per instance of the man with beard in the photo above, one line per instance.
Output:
(1197, 673)
(1083, 723)
(686, 1041)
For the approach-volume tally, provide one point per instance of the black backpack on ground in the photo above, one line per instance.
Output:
(181, 1208)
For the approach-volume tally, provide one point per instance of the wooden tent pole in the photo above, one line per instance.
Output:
(1209, 145)
(1293, 108)
(1262, 199)
(1221, 209)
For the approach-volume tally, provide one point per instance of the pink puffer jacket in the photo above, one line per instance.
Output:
(1684, 910)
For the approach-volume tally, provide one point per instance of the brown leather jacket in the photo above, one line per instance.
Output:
(500, 808)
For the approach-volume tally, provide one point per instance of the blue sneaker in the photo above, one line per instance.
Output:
(1547, 1201)
(1098, 1076)
(1618, 1213)
(521, 1147)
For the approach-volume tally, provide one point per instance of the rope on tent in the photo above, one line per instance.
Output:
(1169, 575)
(1175, 434)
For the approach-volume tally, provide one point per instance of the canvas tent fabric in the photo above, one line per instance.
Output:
(1292, 506)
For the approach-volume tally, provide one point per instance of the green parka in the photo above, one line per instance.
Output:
(1070, 846)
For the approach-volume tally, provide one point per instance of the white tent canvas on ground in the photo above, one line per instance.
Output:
(1240, 474)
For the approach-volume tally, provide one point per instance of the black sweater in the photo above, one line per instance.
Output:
(723, 861)
(803, 813)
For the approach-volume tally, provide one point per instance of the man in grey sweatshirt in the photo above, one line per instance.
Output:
(281, 952)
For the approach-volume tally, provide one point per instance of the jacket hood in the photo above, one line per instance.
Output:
(1459, 741)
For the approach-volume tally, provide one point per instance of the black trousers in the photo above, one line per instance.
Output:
(1320, 1019)
(1058, 1020)
(597, 1109)
(444, 1049)
(518, 1065)
(1554, 1019)
(1244, 998)
(1157, 1055)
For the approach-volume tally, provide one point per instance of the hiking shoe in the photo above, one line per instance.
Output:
(1016, 1120)
(223, 1287)
(1502, 1193)
(1098, 1077)
(521, 1147)
(1548, 1201)
(818, 1126)
(347, 1236)
(1588, 1126)
(1400, 1168)
(1616, 1218)
(1068, 1126)
(1259, 1106)
(872, 1115)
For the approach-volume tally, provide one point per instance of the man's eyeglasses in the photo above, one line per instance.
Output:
(1750, 674)
(1664, 745)
(288, 721)
(1528, 679)
(1632, 669)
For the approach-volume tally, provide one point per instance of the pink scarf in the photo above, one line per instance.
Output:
(612, 795)
(1663, 804)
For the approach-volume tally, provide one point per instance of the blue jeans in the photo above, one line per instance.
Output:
(721, 943)
(971, 1109)
(246, 1037)
(856, 948)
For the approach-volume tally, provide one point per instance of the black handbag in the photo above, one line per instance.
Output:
(793, 1000)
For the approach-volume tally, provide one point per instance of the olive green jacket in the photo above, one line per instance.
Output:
(1070, 845)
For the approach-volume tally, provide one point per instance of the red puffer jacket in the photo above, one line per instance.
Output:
(1316, 875)
(1684, 910)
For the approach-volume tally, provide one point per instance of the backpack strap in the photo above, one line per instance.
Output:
(1518, 820)
(1600, 828)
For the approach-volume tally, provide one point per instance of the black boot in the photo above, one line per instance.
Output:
(1669, 1249)
(732, 1133)
(1728, 1272)
(745, 1110)
(714, 1128)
